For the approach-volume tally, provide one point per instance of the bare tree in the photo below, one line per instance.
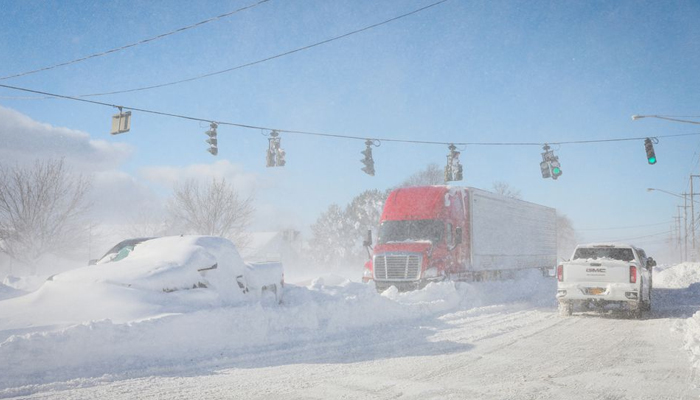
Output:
(216, 209)
(431, 175)
(146, 223)
(41, 210)
(505, 189)
(566, 237)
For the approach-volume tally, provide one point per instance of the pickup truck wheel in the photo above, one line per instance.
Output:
(646, 305)
(636, 310)
(566, 308)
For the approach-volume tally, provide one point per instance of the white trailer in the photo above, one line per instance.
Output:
(510, 234)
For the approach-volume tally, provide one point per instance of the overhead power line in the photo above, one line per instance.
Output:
(297, 50)
(322, 134)
(140, 42)
(641, 237)
(623, 227)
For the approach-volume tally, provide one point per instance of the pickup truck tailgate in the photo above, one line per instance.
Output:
(596, 271)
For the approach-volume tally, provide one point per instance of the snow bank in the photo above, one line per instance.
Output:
(7, 292)
(677, 276)
(178, 335)
(25, 283)
(685, 276)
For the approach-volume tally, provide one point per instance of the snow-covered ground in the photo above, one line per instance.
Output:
(684, 280)
(335, 338)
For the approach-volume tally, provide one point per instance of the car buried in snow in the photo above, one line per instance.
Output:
(606, 274)
(179, 263)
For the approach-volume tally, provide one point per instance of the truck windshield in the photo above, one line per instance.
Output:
(604, 252)
(417, 230)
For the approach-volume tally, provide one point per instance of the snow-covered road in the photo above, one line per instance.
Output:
(507, 347)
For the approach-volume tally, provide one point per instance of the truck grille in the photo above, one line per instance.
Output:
(396, 267)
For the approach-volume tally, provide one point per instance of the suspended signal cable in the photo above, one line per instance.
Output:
(140, 42)
(331, 135)
(297, 50)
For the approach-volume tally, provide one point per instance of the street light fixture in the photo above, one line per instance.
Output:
(667, 192)
(669, 118)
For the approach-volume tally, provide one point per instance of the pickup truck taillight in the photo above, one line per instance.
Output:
(560, 273)
(633, 274)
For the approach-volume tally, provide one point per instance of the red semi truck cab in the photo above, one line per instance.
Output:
(422, 238)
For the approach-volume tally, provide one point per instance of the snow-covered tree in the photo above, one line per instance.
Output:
(330, 238)
(505, 189)
(566, 237)
(433, 174)
(338, 234)
(215, 209)
(41, 210)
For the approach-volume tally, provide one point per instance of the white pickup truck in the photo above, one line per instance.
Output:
(602, 274)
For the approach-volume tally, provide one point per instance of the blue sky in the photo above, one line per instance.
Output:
(463, 71)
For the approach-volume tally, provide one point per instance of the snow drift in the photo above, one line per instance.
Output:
(185, 331)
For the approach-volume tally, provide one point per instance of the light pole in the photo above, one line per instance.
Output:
(674, 118)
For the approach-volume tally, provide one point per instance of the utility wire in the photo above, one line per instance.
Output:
(640, 237)
(622, 227)
(363, 138)
(140, 42)
(297, 50)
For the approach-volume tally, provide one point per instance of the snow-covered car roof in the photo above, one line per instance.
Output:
(608, 244)
(168, 264)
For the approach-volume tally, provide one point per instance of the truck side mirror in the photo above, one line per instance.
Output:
(651, 262)
(368, 240)
(458, 235)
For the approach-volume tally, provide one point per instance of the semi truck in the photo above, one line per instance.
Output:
(433, 233)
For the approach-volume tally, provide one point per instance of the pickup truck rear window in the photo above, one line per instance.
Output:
(604, 252)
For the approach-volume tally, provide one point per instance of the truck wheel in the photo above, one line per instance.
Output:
(636, 310)
(646, 305)
(566, 308)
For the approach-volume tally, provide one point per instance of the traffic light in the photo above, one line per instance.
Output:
(544, 166)
(458, 172)
(213, 142)
(556, 167)
(368, 161)
(279, 157)
(649, 147)
(550, 167)
(121, 122)
(275, 154)
(453, 169)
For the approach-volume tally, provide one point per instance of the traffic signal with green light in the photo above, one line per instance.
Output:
(649, 147)
(556, 167)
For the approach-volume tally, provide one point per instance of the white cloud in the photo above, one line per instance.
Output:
(246, 182)
(23, 140)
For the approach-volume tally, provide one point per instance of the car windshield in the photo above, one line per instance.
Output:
(604, 252)
(121, 250)
(414, 231)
